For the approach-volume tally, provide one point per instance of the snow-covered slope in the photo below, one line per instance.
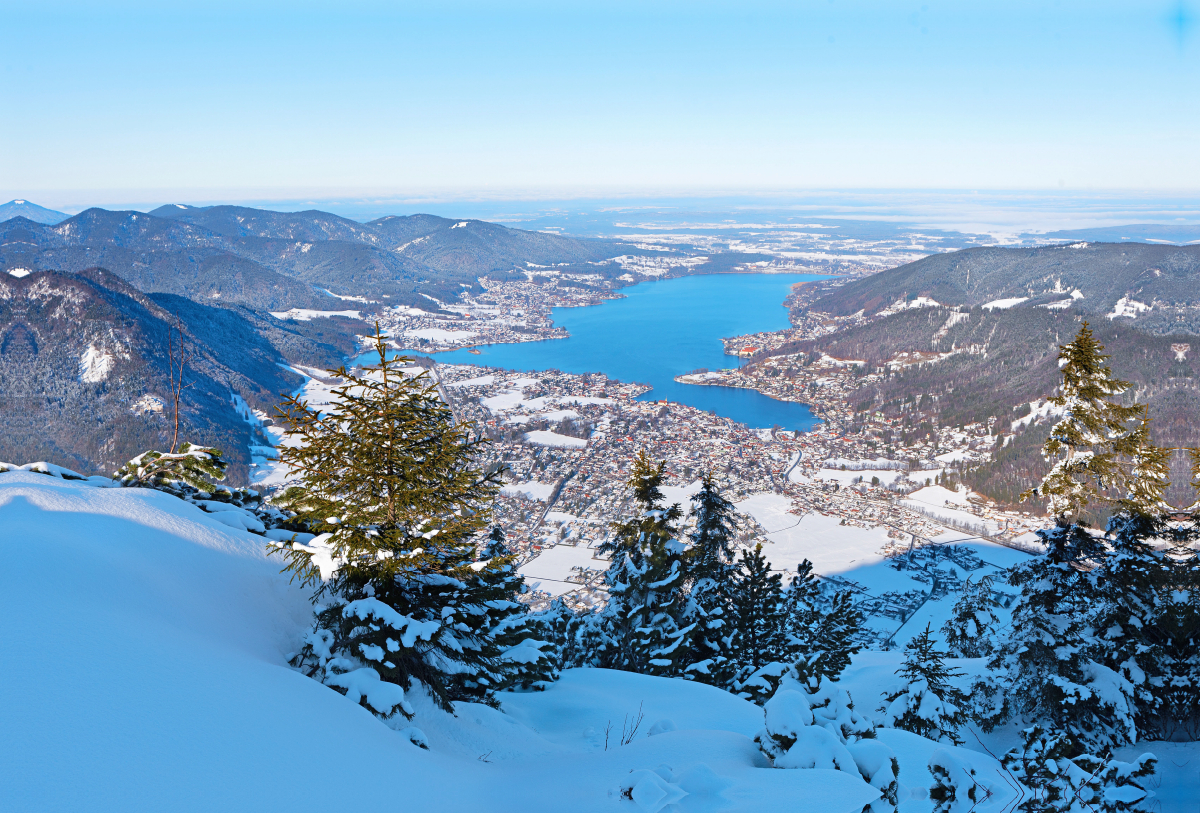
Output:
(145, 669)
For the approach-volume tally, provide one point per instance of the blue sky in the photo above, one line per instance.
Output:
(252, 99)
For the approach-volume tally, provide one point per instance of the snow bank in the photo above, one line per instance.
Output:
(154, 651)
(148, 673)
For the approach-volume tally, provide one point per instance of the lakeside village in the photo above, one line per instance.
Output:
(520, 311)
(836, 497)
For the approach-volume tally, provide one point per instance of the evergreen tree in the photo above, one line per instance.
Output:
(645, 580)
(1178, 630)
(1042, 674)
(1149, 475)
(835, 636)
(195, 467)
(710, 567)
(801, 613)
(1087, 446)
(525, 658)
(1127, 620)
(926, 703)
(711, 550)
(387, 478)
(757, 616)
(829, 642)
(972, 628)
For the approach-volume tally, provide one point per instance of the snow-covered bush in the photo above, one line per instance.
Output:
(810, 722)
(1053, 781)
(956, 788)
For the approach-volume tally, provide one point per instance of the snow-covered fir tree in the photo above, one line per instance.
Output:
(526, 657)
(801, 612)
(926, 702)
(710, 568)
(835, 636)
(387, 478)
(1132, 590)
(757, 614)
(1086, 448)
(974, 623)
(195, 467)
(645, 581)
(1042, 673)
(1178, 631)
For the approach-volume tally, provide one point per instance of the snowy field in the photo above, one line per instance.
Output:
(148, 645)
(160, 637)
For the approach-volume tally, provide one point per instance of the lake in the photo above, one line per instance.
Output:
(663, 329)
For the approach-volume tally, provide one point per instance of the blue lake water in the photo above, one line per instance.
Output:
(663, 329)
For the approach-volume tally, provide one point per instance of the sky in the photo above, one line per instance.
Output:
(210, 100)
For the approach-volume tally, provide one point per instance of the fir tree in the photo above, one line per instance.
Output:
(926, 703)
(525, 658)
(711, 549)
(972, 628)
(757, 616)
(828, 643)
(709, 568)
(388, 479)
(195, 467)
(1178, 633)
(1149, 475)
(645, 580)
(1087, 446)
(1132, 583)
(1042, 673)
(835, 636)
(801, 613)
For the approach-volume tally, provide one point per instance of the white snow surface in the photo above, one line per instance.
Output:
(1004, 304)
(548, 571)
(149, 673)
(94, 365)
(544, 437)
(307, 314)
(533, 490)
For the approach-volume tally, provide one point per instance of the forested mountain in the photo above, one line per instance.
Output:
(972, 337)
(278, 260)
(1156, 285)
(83, 369)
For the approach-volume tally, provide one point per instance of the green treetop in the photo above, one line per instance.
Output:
(1086, 448)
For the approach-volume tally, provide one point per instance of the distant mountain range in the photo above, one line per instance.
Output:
(1158, 286)
(30, 211)
(276, 261)
(86, 303)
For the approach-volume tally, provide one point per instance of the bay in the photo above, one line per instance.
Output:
(662, 329)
